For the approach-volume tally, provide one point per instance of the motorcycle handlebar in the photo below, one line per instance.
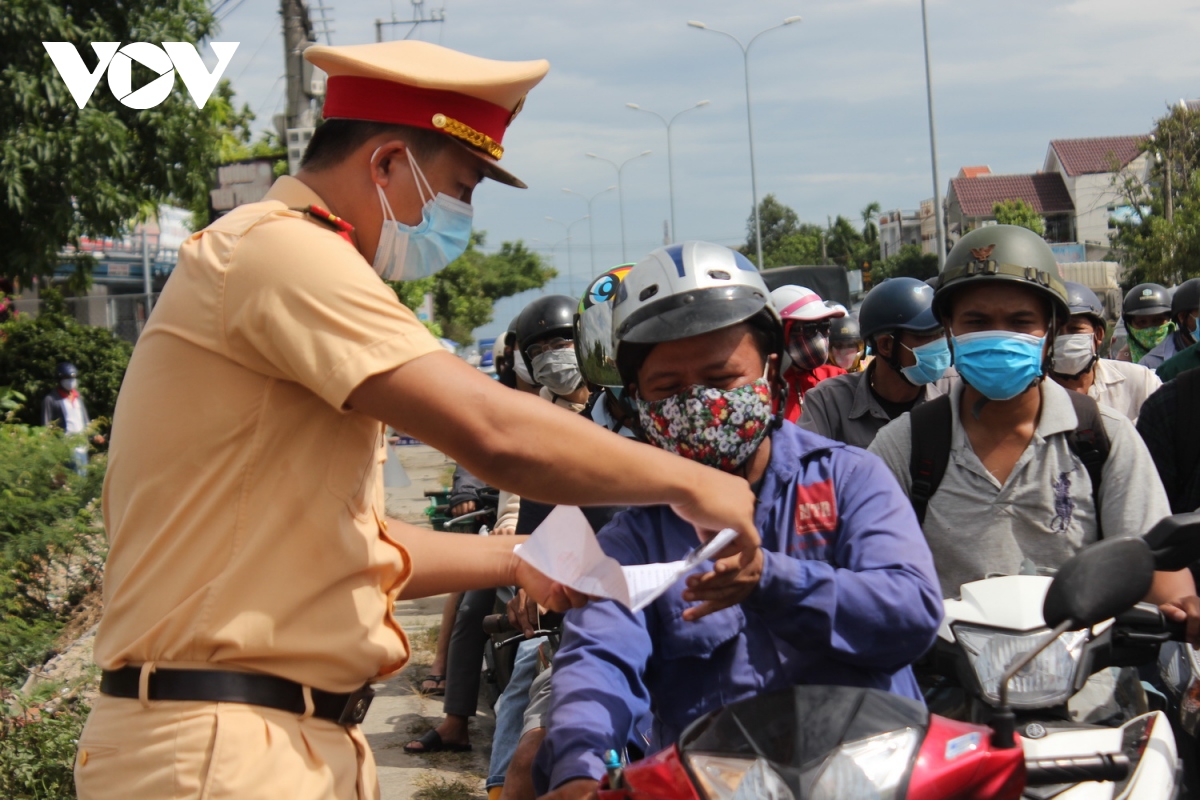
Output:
(497, 623)
(1098, 767)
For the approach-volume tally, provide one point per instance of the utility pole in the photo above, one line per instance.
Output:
(937, 185)
(435, 15)
(297, 35)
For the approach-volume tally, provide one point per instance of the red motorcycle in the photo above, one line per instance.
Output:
(837, 743)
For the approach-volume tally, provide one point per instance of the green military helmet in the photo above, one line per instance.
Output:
(1007, 253)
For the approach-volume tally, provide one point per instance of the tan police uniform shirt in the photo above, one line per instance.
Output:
(243, 502)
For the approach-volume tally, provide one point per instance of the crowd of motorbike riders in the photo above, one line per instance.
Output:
(948, 431)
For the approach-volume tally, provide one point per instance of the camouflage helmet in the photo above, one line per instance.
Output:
(1007, 253)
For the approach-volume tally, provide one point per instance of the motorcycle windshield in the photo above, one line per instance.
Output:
(796, 729)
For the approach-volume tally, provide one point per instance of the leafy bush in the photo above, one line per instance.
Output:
(31, 348)
(37, 748)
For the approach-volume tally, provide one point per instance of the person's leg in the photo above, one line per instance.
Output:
(518, 782)
(463, 663)
(510, 711)
(435, 682)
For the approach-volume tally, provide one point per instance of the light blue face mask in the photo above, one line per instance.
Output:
(411, 252)
(1000, 364)
(933, 358)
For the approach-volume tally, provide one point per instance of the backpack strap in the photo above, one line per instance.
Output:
(1089, 442)
(930, 422)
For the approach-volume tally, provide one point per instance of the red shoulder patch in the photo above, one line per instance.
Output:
(816, 508)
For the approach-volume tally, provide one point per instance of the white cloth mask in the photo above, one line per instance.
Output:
(558, 370)
(1074, 353)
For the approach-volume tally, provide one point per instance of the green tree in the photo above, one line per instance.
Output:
(1160, 240)
(465, 291)
(1018, 212)
(910, 262)
(870, 230)
(779, 222)
(68, 172)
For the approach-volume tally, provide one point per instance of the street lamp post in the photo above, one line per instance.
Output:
(749, 121)
(670, 163)
(570, 265)
(591, 223)
(620, 191)
(937, 185)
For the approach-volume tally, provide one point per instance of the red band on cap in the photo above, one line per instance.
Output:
(803, 301)
(377, 100)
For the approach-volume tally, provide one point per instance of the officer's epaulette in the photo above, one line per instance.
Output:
(338, 224)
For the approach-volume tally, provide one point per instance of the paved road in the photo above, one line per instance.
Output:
(399, 713)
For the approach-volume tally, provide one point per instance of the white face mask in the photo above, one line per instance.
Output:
(522, 370)
(1074, 353)
(69, 384)
(408, 252)
(558, 371)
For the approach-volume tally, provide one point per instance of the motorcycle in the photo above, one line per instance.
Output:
(835, 742)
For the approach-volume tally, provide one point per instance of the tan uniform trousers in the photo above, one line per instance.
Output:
(176, 750)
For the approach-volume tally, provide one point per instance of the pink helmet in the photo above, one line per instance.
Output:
(801, 304)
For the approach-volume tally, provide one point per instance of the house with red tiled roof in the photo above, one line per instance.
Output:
(970, 202)
(1090, 170)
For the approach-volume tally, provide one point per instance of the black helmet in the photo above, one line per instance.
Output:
(509, 339)
(1146, 299)
(897, 304)
(66, 369)
(1002, 253)
(1082, 300)
(552, 313)
(1186, 297)
(844, 331)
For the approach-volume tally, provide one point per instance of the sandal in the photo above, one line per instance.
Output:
(439, 685)
(432, 742)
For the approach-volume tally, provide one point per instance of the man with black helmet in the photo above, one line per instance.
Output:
(1185, 306)
(1146, 312)
(845, 342)
(911, 356)
(995, 470)
(64, 406)
(545, 341)
(1077, 366)
(698, 346)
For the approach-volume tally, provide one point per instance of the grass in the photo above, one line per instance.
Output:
(435, 787)
(427, 638)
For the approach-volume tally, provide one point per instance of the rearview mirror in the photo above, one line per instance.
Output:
(1175, 541)
(1099, 582)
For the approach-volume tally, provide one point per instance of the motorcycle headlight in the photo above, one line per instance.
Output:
(723, 778)
(1046, 681)
(869, 769)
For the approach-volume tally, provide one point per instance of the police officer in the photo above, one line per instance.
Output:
(251, 573)
(897, 320)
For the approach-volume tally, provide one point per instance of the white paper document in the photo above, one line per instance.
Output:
(564, 548)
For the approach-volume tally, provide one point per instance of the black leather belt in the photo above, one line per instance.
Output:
(217, 686)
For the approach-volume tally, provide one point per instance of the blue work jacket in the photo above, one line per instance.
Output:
(848, 596)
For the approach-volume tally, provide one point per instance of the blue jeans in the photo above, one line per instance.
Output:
(510, 710)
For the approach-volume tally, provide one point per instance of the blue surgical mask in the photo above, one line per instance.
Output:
(408, 252)
(933, 358)
(1000, 364)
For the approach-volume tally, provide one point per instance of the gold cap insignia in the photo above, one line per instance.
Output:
(468, 134)
(982, 253)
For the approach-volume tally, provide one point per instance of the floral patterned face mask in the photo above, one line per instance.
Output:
(717, 427)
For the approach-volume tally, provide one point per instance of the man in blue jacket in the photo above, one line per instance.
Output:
(842, 590)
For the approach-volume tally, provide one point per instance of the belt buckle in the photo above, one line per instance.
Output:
(357, 704)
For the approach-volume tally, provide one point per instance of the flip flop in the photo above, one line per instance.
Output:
(432, 742)
(436, 691)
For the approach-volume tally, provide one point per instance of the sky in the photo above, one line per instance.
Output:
(838, 102)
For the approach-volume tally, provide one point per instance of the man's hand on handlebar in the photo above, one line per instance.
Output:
(523, 613)
(465, 507)
(545, 592)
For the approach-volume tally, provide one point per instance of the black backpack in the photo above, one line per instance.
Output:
(931, 447)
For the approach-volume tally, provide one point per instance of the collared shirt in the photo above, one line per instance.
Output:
(1168, 347)
(844, 408)
(1044, 512)
(847, 597)
(1123, 386)
(73, 411)
(243, 501)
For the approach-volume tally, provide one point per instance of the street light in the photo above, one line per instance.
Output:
(620, 192)
(749, 121)
(570, 267)
(591, 224)
(670, 163)
(937, 185)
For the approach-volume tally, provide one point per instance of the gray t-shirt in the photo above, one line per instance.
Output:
(1044, 512)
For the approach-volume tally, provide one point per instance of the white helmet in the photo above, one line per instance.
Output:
(685, 290)
(799, 303)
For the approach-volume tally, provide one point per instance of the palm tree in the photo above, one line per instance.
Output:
(870, 229)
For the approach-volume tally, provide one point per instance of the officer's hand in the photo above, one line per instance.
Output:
(719, 501)
(523, 613)
(731, 581)
(465, 507)
(546, 592)
(1187, 610)
(581, 789)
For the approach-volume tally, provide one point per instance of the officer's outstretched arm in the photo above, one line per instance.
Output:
(523, 444)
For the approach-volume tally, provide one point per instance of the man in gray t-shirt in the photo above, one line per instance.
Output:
(1014, 494)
